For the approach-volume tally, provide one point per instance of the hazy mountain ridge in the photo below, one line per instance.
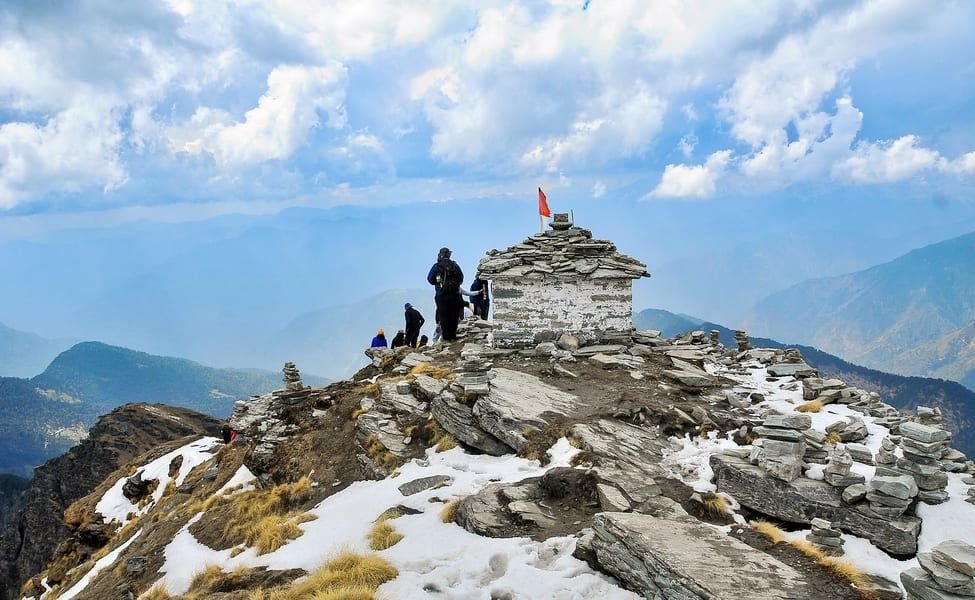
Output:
(914, 315)
(24, 354)
(44, 416)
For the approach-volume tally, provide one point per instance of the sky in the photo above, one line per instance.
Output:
(736, 147)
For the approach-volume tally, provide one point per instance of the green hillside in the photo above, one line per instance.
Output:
(44, 416)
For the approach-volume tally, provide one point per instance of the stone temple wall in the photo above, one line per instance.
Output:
(527, 311)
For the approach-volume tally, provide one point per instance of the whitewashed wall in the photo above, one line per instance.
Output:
(528, 311)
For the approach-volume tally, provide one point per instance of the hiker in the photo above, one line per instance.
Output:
(414, 321)
(445, 275)
(481, 301)
(423, 341)
(225, 433)
(379, 341)
(398, 340)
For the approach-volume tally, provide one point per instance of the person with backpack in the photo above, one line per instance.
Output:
(398, 340)
(445, 275)
(414, 321)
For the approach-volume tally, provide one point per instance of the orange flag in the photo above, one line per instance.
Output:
(543, 204)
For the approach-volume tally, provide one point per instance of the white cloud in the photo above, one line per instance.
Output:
(598, 189)
(694, 181)
(75, 149)
(687, 145)
(889, 161)
(277, 126)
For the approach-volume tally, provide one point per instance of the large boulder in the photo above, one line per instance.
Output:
(686, 560)
(804, 499)
(457, 419)
(519, 401)
(626, 456)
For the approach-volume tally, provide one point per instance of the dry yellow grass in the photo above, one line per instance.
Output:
(432, 370)
(773, 533)
(206, 578)
(449, 510)
(446, 442)
(383, 536)
(348, 576)
(381, 455)
(357, 412)
(156, 592)
(267, 519)
(842, 568)
(715, 505)
(813, 406)
(833, 438)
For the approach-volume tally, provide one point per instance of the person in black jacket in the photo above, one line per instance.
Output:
(481, 301)
(414, 321)
(445, 275)
(398, 340)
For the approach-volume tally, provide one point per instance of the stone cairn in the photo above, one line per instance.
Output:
(817, 451)
(474, 375)
(922, 447)
(715, 337)
(780, 450)
(824, 537)
(837, 473)
(947, 572)
(741, 338)
(885, 456)
(292, 378)
(891, 496)
(829, 391)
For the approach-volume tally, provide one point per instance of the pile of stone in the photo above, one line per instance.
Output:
(825, 538)
(474, 375)
(782, 446)
(715, 337)
(891, 496)
(928, 416)
(947, 572)
(741, 338)
(885, 456)
(817, 450)
(954, 461)
(852, 429)
(837, 473)
(561, 253)
(826, 391)
(922, 447)
(292, 378)
(860, 453)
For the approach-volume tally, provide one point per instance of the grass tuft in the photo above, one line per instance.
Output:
(383, 536)
(715, 505)
(772, 532)
(813, 406)
(156, 592)
(381, 455)
(449, 510)
(446, 442)
(348, 576)
(833, 438)
(432, 370)
(268, 519)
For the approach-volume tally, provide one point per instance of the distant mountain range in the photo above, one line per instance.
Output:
(914, 315)
(903, 392)
(43, 416)
(24, 354)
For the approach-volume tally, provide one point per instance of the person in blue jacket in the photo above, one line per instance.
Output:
(380, 340)
(445, 275)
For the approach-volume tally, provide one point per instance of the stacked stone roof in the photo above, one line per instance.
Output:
(561, 254)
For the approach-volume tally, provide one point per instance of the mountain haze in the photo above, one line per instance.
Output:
(44, 416)
(24, 354)
(914, 315)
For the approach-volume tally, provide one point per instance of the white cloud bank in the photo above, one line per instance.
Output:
(316, 91)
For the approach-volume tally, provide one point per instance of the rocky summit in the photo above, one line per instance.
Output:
(650, 467)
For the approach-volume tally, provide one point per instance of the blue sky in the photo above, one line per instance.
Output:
(736, 147)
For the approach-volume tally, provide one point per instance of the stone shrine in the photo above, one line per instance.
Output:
(561, 282)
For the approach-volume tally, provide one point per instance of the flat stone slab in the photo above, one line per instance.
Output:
(666, 559)
(519, 401)
(790, 369)
(599, 349)
(920, 585)
(424, 483)
(957, 555)
(391, 400)
(629, 456)
(804, 499)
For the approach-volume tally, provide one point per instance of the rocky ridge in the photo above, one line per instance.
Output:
(661, 431)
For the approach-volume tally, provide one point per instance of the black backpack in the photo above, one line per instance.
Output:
(450, 277)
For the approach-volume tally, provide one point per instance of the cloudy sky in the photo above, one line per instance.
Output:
(217, 106)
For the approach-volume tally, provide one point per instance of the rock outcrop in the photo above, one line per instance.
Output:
(127, 432)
